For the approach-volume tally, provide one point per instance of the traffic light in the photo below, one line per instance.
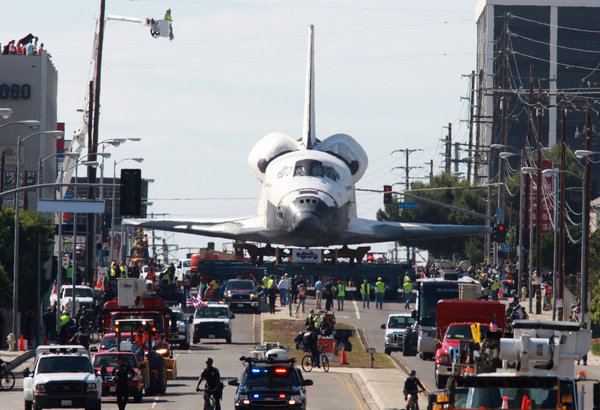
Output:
(131, 192)
(499, 233)
(387, 194)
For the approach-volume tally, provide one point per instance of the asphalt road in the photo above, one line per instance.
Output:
(326, 392)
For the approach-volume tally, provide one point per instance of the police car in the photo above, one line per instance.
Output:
(63, 376)
(270, 381)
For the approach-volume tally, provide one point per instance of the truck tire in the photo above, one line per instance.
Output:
(97, 406)
(156, 366)
(28, 405)
(387, 351)
(407, 347)
(440, 381)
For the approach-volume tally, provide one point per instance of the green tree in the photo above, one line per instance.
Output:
(34, 228)
(443, 188)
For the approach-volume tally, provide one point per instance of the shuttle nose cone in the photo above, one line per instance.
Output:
(306, 224)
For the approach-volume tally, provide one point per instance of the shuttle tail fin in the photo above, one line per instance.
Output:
(308, 130)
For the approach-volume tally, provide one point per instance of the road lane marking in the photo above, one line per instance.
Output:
(356, 309)
(353, 393)
(253, 329)
(402, 364)
(366, 339)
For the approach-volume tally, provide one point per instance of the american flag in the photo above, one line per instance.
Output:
(493, 325)
(194, 301)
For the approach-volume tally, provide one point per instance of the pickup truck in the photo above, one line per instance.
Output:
(62, 376)
(213, 322)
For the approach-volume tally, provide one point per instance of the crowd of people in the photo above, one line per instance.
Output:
(28, 45)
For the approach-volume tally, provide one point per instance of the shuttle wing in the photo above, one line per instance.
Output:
(244, 229)
(368, 231)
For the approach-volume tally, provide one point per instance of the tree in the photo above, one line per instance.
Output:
(34, 228)
(441, 189)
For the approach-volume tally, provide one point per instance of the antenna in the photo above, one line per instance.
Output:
(308, 131)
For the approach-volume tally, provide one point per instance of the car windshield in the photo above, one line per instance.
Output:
(65, 364)
(270, 376)
(79, 293)
(400, 322)
(240, 285)
(110, 360)
(213, 312)
(463, 332)
(187, 264)
(108, 342)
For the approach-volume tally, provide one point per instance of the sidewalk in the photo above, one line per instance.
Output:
(17, 357)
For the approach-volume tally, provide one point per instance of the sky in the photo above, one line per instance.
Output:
(389, 73)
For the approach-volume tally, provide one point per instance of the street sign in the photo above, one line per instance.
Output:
(498, 214)
(408, 205)
(506, 248)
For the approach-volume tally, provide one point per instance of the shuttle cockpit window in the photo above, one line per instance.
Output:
(313, 168)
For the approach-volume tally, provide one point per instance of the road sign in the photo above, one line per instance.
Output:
(498, 214)
(408, 205)
(506, 248)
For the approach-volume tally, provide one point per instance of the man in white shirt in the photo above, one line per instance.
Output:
(284, 288)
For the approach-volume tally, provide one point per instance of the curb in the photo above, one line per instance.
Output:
(21, 358)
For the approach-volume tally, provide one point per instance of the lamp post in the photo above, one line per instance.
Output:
(57, 134)
(112, 216)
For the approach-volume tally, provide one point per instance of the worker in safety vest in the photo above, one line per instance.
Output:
(341, 294)
(495, 287)
(265, 283)
(408, 287)
(365, 291)
(379, 292)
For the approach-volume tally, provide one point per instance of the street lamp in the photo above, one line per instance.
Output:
(6, 113)
(112, 216)
(32, 124)
(57, 134)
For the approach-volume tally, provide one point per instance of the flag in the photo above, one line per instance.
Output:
(493, 325)
(194, 301)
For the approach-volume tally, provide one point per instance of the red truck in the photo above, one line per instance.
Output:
(454, 320)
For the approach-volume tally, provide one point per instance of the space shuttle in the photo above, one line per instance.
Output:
(308, 197)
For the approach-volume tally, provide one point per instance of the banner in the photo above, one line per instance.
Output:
(306, 255)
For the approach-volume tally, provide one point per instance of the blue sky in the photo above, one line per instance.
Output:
(389, 73)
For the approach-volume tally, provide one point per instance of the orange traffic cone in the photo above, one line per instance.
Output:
(343, 360)
(21, 343)
(504, 402)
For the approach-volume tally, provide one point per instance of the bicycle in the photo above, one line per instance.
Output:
(412, 402)
(210, 402)
(308, 363)
(7, 378)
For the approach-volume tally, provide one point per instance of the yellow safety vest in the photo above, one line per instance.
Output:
(341, 290)
(380, 286)
(368, 290)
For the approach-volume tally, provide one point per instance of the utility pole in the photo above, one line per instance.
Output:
(456, 156)
(471, 123)
(585, 229)
(538, 210)
(504, 108)
(430, 171)
(561, 223)
(407, 167)
(478, 129)
(448, 141)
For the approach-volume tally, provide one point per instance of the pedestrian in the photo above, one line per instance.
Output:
(265, 284)
(328, 294)
(379, 292)
(301, 297)
(408, 287)
(341, 294)
(318, 292)
(294, 289)
(272, 297)
(120, 375)
(284, 287)
(365, 291)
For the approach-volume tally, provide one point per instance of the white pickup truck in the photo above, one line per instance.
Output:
(62, 376)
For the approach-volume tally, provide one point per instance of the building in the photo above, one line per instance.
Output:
(28, 86)
(560, 41)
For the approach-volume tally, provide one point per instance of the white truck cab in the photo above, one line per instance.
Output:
(62, 376)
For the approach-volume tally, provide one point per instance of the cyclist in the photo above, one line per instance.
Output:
(213, 383)
(411, 387)
(311, 342)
